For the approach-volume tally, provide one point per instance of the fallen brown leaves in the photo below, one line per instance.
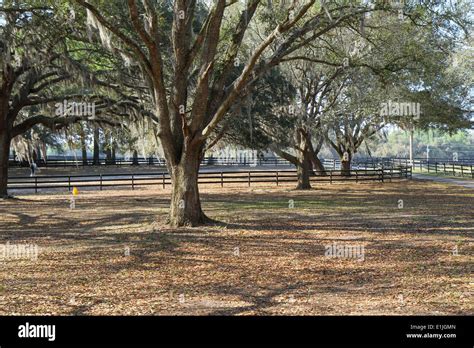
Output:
(114, 255)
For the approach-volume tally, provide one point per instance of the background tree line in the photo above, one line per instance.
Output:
(188, 75)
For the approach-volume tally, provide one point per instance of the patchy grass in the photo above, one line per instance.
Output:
(114, 255)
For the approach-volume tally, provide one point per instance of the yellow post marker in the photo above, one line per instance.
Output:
(75, 191)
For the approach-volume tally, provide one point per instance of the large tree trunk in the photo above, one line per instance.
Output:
(303, 171)
(318, 165)
(304, 166)
(346, 165)
(185, 207)
(4, 154)
(313, 153)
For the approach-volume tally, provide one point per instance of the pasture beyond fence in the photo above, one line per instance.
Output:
(221, 178)
(68, 161)
(461, 169)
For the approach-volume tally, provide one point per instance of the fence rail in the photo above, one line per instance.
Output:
(329, 163)
(217, 178)
(418, 160)
(446, 168)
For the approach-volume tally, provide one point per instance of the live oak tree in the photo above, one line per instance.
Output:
(315, 76)
(33, 145)
(31, 64)
(355, 116)
(406, 64)
(44, 63)
(315, 94)
(254, 122)
(188, 61)
(438, 79)
(284, 116)
(367, 43)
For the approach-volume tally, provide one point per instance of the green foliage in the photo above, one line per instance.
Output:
(440, 144)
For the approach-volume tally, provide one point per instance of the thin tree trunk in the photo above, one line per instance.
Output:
(114, 157)
(95, 160)
(108, 156)
(185, 201)
(44, 149)
(35, 155)
(4, 154)
(135, 158)
(83, 146)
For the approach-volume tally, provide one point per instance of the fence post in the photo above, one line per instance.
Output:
(330, 176)
(100, 182)
(357, 179)
(277, 177)
(454, 173)
(249, 179)
(163, 180)
(69, 183)
(222, 179)
(36, 184)
(436, 167)
(382, 174)
(462, 170)
(133, 182)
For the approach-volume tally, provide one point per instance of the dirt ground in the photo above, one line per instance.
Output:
(113, 253)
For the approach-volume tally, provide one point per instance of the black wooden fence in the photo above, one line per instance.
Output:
(217, 178)
(462, 167)
(453, 168)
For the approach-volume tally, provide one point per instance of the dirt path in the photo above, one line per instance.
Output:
(460, 182)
